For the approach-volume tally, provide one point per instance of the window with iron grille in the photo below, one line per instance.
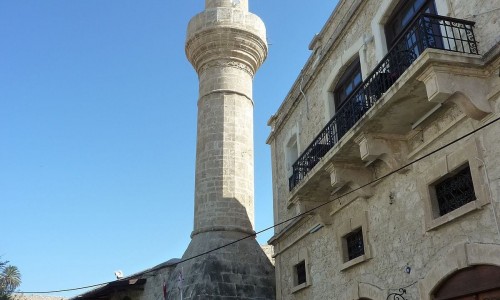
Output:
(300, 273)
(455, 191)
(354, 243)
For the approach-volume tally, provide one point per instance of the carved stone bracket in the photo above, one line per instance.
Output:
(303, 206)
(466, 88)
(352, 176)
(392, 150)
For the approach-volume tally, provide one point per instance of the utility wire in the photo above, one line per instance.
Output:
(154, 269)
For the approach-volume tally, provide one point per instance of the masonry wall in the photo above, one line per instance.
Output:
(308, 121)
(397, 215)
(396, 232)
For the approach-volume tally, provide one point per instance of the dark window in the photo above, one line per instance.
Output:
(348, 83)
(300, 271)
(455, 191)
(403, 14)
(355, 245)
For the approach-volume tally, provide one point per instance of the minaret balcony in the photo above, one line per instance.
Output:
(425, 68)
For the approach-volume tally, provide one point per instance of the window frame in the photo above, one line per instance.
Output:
(300, 277)
(446, 179)
(353, 255)
(302, 257)
(443, 168)
(291, 153)
(346, 79)
(398, 14)
(353, 225)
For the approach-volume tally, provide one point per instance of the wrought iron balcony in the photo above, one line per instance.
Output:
(425, 31)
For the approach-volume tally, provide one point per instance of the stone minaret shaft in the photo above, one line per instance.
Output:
(226, 45)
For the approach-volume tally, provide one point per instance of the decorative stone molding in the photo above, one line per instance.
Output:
(360, 220)
(469, 153)
(241, 4)
(357, 50)
(459, 257)
(302, 255)
(391, 150)
(425, 135)
(465, 87)
(226, 63)
(369, 291)
(302, 206)
(361, 290)
(352, 176)
(239, 45)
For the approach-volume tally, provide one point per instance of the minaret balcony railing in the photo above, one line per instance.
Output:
(425, 31)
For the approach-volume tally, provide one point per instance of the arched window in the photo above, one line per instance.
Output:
(349, 103)
(402, 16)
(348, 83)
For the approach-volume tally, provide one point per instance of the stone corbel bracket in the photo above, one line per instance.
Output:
(467, 88)
(392, 150)
(303, 206)
(352, 176)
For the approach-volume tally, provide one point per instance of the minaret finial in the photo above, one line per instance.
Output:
(237, 4)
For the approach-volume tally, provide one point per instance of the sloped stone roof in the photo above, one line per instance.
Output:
(36, 297)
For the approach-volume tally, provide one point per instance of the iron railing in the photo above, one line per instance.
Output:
(425, 31)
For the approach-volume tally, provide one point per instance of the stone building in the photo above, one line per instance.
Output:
(389, 84)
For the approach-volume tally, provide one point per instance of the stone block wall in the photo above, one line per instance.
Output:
(407, 248)
(396, 232)
(294, 113)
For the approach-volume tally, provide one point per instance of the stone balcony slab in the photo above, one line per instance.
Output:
(395, 114)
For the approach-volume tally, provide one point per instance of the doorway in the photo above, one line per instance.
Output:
(480, 282)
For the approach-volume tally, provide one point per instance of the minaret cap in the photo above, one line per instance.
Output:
(237, 4)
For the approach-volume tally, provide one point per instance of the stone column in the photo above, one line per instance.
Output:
(226, 45)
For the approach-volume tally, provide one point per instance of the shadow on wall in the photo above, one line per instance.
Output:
(241, 269)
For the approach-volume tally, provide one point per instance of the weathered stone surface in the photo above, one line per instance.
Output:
(239, 271)
(226, 45)
(401, 228)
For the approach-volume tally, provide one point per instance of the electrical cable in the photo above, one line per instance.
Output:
(279, 223)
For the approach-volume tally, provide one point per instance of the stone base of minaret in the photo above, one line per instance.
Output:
(239, 271)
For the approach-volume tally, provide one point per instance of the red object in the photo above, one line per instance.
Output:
(164, 289)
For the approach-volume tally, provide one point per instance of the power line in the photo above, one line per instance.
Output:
(279, 223)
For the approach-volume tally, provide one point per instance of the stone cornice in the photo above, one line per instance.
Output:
(287, 229)
(311, 69)
(226, 46)
(226, 36)
(227, 63)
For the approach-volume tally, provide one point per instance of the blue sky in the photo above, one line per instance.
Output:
(98, 131)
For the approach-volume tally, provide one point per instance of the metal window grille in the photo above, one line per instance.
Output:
(355, 245)
(300, 270)
(455, 191)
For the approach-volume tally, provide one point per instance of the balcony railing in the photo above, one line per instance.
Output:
(425, 31)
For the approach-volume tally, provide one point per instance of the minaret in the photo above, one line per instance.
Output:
(226, 45)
